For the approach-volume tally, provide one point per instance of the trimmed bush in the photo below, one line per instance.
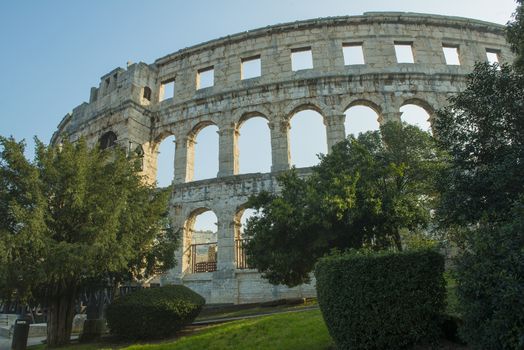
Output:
(153, 312)
(384, 300)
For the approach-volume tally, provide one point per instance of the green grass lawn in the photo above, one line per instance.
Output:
(301, 330)
(255, 310)
(294, 331)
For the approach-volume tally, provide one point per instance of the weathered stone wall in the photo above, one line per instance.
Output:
(121, 104)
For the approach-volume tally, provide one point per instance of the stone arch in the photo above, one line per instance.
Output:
(196, 158)
(107, 140)
(163, 154)
(365, 116)
(241, 209)
(196, 251)
(300, 105)
(243, 115)
(371, 101)
(199, 126)
(240, 240)
(310, 138)
(253, 146)
(422, 104)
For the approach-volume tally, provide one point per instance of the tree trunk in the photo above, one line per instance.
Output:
(60, 314)
(397, 240)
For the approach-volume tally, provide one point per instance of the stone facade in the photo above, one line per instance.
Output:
(130, 103)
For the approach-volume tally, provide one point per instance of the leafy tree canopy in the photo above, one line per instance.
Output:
(362, 194)
(482, 197)
(515, 35)
(73, 216)
(483, 131)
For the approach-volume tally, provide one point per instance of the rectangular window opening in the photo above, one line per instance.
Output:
(301, 59)
(404, 52)
(451, 53)
(493, 56)
(250, 67)
(353, 54)
(205, 77)
(167, 90)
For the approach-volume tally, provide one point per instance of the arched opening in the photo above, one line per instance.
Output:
(147, 93)
(416, 115)
(254, 145)
(307, 138)
(165, 160)
(360, 119)
(242, 216)
(240, 240)
(107, 140)
(205, 161)
(200, 242)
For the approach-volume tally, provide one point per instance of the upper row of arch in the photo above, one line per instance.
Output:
(242, 115)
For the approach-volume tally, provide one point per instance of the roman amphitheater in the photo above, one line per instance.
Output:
(131, 109)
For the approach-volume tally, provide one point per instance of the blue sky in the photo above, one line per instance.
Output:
(52, 52)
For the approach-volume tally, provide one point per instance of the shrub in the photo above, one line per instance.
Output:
(490, 285)
(382, 300)
(153, 312)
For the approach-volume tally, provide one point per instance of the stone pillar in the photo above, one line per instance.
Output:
(335, 130)
(390, 109)
(175, 275)
(226, 241)
(224, 287)
(279, 145)
(184, 159)
(227, 151)
(390, 116)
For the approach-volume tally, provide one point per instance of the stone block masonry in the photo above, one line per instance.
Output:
(131, 104)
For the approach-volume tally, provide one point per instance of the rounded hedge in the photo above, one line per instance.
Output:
(153, 312)
(385, 300)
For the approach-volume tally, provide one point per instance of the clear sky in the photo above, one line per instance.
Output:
(52, 52)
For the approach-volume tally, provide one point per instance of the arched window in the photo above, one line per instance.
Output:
(360, 119)
(165, 163)
(240, 240)
(107, 140)
(206, 153)
(200, 242)
(254, 146)
(307, 138)
(416, 115)
(147, 93)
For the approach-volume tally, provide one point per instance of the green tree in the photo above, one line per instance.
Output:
(482, 192)
(73, 216)
(362, 194)
(490, 280)
(483, 131)
(515, 35)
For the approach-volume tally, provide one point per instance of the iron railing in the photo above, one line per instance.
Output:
(240, 254)
(202, 257)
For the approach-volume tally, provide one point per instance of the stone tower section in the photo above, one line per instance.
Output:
(131, 108)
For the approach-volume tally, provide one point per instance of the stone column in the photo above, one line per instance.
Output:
(226, 241)
(390, 116)
(175, 275)
(335, 130)
(279, 145)
(184, 158)
(390, 110)
(224, 287)
(227, 151)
